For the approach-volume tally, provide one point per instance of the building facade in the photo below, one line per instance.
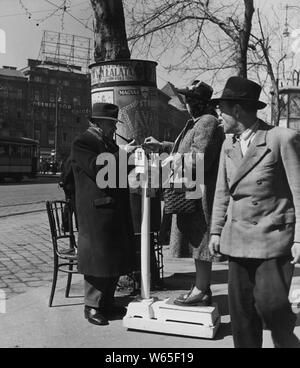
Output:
(13, 102)
(58, 105)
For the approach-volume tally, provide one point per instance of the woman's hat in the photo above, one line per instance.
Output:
(198, 90)
(101, 110)
(241, 90)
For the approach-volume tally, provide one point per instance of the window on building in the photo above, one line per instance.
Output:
(65, 137)
(4, 150)
(51, 137)
(36, 95)
(52, 81)
(19, 114)
(5, 108)
(19, 93)
(37, 134)
(66, 83)
(76, 101)
(77, 119)
(38, 78)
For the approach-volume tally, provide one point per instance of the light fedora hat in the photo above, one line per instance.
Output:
(238, 89)
(107, 111)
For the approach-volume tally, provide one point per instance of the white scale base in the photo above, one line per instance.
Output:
(166, 317)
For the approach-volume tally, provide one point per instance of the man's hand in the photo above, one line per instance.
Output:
(296, 253)
(152, 144)
(214, 245)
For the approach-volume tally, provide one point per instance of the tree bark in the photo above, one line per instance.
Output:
(110, 32)
(244, 34)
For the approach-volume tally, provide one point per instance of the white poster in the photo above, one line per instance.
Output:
(102, 95)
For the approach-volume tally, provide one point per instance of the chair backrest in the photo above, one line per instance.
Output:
(61, 222)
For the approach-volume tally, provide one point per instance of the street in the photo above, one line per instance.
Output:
(25, 243)
(28, 196)
(26, 266)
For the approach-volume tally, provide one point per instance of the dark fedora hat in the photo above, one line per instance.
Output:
(240, 89)
(103, 110)
(198, 90)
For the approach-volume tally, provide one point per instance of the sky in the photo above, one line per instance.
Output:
(25, 20)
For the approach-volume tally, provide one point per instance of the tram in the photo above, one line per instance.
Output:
(19, 157)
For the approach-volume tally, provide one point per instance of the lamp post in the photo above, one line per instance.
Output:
(57, 100)
(33, 122)
(286, 31)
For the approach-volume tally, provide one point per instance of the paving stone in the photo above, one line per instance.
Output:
(26, 257)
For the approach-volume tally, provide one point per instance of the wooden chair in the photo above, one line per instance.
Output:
(63, 230)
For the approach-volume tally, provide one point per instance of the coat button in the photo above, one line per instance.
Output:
(254, 203)
(254, 223)
(259, 182)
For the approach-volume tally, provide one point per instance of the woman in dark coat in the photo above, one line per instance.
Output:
(105, 240)
(190, 231)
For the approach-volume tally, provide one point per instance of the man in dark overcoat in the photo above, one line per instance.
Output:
(256, 217)
(105, 240)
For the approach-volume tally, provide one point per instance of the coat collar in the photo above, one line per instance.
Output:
(189, 124)
(98, 133)
(256, 151)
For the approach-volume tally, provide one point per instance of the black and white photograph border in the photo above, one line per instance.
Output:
(55, 64)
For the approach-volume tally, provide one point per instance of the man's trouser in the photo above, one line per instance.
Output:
(258, 298)
(99, 291)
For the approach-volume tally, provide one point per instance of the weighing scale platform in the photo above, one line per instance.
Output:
(166, 317)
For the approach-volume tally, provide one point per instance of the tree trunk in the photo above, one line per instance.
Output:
(244, 34)
(241, 61)
(110, 33)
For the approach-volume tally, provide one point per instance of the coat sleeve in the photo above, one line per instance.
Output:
(84, 153)
(167, 146)
(222, 197)
(290, 154)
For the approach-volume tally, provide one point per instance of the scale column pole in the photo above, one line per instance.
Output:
(145, 241)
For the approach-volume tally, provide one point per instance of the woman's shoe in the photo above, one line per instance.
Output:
(189, 300)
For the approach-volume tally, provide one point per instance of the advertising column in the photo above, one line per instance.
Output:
(131, 85)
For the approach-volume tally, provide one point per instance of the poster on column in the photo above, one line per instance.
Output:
(103, 95)
(137, 109)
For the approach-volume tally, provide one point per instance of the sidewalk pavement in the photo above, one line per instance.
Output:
(29, 322)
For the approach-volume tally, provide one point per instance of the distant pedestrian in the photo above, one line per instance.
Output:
(45, 166)
(256, 217)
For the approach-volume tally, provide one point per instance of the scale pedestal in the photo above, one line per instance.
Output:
(162, 316)
(165, 317)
